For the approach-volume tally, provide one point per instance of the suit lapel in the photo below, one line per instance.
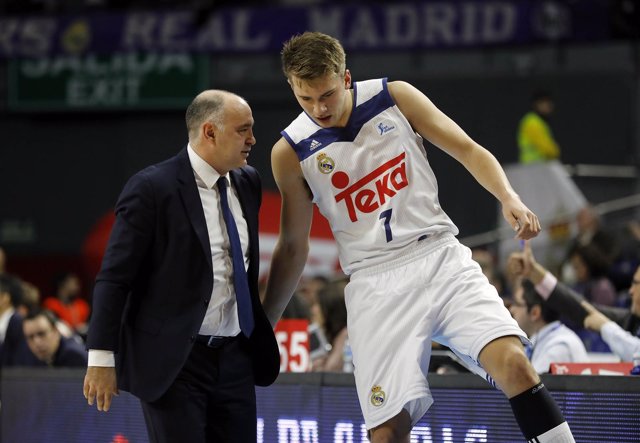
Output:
(193, 205)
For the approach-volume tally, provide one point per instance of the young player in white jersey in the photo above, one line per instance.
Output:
(357, 153)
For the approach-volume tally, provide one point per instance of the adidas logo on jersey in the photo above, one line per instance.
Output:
(315, 144)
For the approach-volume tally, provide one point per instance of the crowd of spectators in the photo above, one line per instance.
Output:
(36, 333)
(597, 309)
(594, 293)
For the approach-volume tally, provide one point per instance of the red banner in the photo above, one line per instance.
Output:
(293, 341)
(591, 368)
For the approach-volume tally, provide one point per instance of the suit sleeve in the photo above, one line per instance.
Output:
(129, 242)
(568, 303)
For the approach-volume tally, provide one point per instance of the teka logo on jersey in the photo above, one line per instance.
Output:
(367, 194)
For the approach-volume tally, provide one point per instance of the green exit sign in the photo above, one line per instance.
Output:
(107, 82)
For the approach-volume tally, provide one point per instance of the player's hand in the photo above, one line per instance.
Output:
(100, 386)
(521, 219)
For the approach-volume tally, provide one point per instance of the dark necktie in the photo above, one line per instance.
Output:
(240, 282)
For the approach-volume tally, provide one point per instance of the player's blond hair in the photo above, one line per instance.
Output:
(312, 55)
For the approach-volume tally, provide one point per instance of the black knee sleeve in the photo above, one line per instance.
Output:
(536, 412)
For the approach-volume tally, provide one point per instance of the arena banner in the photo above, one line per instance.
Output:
(108, 81)
(46, 405)
(259, 29)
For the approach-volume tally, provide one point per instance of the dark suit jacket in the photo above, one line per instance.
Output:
(567, 302)
(152, 291)
(14, 351)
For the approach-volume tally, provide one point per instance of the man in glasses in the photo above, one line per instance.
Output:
(47, 344)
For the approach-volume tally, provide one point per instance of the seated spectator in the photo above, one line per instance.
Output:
(591, 232)
(621, 342)
(30, 298)
(627, 259)
(551, 341)
(308, 289)
(334, 312)
(13, 347)
(590, 267)
(48, 345)
(570, 303)
(67, 303)
(31, 302)
(297, 308)
(488, 264)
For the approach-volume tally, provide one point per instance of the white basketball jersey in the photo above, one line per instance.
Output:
(370, 179)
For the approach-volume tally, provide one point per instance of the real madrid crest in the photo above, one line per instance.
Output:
(325, 164)
(377, 396)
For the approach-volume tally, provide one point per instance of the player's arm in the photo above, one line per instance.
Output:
(292, 248)
(433, 125)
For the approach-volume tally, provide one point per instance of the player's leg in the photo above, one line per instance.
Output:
(474, 323)
(395, 430)
(536, 412)
(389, 324)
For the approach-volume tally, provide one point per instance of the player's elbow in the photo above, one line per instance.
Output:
(292, 249)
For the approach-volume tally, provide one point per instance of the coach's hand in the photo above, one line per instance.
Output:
(100, 384)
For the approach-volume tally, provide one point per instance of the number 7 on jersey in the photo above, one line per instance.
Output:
(386, 216)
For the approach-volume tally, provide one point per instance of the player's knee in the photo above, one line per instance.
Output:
(388, 435)
(519, 366)
(516, 373)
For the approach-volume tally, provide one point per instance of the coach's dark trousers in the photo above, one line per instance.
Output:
(212, 400)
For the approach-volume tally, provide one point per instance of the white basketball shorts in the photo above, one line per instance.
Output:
(435, 291)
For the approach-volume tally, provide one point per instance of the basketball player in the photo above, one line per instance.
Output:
(358, 154)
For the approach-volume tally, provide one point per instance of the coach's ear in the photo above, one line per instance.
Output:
(209, 132)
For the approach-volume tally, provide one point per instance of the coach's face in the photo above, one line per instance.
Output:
(231, 144)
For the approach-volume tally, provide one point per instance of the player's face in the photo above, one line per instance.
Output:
(327, 99)
(232, 144)
(634, 291)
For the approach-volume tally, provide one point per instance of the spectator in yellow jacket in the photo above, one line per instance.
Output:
(535, 140)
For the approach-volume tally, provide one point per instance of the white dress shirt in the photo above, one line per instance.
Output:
(556, 343)
(221, 318)
(4, 323)
(621, 342)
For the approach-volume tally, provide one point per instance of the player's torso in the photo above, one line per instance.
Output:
(371, 179)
